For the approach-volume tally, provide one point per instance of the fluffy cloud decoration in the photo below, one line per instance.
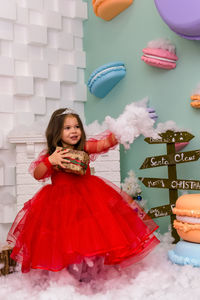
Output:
(162, 44)
(169, 125)
(134, 120)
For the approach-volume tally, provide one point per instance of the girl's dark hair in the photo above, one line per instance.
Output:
(55, 127)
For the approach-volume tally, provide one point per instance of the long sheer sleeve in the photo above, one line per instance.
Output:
(100, 144)
(45, 170)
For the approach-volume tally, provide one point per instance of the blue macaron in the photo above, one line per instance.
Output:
(185, 253)
(104, 78)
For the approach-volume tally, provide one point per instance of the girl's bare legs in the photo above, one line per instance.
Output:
(88, 269)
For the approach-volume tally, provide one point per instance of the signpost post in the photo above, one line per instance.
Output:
(172, 183)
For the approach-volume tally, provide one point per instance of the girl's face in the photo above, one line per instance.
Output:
(71, 133)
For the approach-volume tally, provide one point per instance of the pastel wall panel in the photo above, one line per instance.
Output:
(6, 48)
(6, 30)
(37, 35)
(24, 118)
(50, 5)
(68, 73)
(80, 92)
(79, 58)
(1, 139)
(8, 10)
(77, 28)
(80, 10)
(38, 105)
(52, 89)
(19, 51)
(39, 69)
(65, 7)
(65, 41)
(6, 103)
(51, 55)
(22, 68)
(8, 120)
(21, 33)
(22, 15)
(35, 4)
(53, 20)
(23, 85)
(7, 213)
(6, 66)
(1, 173)
(36, 18)
(9, 175)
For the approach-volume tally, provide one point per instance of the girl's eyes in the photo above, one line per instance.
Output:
(68, 127)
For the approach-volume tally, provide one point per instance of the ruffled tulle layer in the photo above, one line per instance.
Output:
(77, 217)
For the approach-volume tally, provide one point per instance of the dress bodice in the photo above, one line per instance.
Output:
(62, 177)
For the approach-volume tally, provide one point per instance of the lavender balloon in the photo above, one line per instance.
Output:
(182, 16)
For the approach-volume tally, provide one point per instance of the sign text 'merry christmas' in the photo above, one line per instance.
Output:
(185, 185)
(171, 184)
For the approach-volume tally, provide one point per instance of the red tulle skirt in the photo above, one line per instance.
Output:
(77, 217)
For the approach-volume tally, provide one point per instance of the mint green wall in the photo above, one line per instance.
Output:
(123, 38)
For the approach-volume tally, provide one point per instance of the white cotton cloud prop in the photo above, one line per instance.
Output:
(134, 121)
(162, 44)
(94, 128)
(169, 125)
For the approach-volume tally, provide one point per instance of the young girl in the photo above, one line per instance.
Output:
(78, 222)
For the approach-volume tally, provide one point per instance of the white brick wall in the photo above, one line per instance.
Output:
(107, 166)
(41, 58)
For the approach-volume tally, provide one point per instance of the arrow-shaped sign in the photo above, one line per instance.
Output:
(171, 137)
(171, 184)
(160, 211)
(170, 159)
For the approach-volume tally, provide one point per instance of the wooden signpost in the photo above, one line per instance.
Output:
(6, 261)
(172, 183)
(171, 159)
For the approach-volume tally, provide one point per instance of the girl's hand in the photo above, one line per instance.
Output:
(57, 157)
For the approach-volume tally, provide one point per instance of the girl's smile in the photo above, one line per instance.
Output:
(71, 133)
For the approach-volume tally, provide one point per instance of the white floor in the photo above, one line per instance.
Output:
(152, 279)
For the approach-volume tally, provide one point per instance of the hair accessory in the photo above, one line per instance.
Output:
(68, 111)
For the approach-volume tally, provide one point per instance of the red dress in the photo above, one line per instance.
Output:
(79, 216)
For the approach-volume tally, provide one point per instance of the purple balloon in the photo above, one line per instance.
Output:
(152, 113)
(182, 16)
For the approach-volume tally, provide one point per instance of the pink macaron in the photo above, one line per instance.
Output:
(160, 54)
(180, 146)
